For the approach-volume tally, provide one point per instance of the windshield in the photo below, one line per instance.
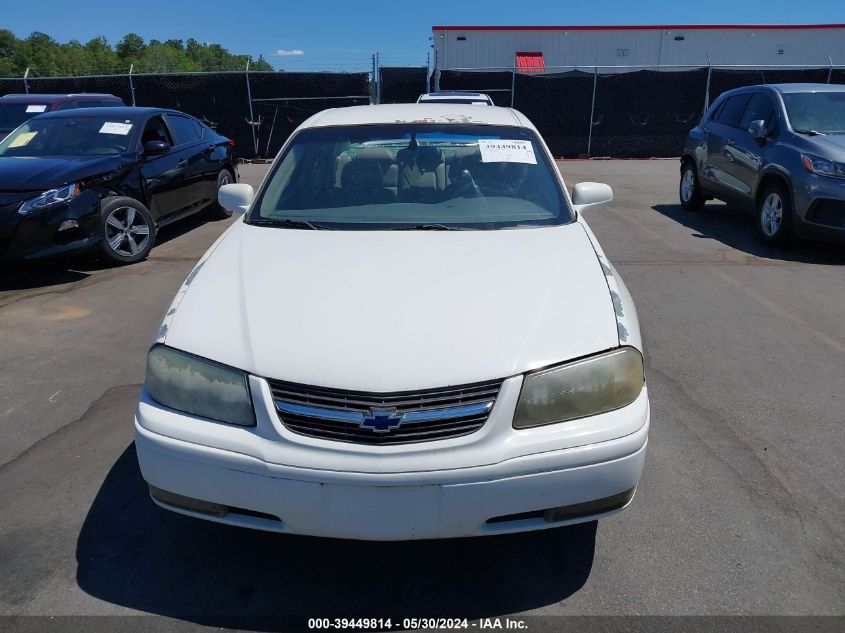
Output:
(433, 176)
(822, 112)
(13, 114)
(457, 100)
(69, 136)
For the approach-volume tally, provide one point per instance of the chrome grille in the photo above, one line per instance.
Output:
(384, 418)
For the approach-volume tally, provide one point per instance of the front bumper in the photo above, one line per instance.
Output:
(36, 235)
(820, 208)
(470, 486)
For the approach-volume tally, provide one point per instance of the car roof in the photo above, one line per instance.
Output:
(789, 88)
(455, 93)
(430, 112)
(105, 111)
(52, 98)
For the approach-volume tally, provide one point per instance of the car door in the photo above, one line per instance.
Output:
(747, 154)
(162, 174)
(722, 134)
(200, 170)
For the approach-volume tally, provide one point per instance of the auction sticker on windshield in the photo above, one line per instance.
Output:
(509, 151)
(114, 127)
(36, 108)
(22, 139)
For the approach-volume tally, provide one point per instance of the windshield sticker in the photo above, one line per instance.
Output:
(36, 108)
(507, 151)
(115, 127)
(22, 139)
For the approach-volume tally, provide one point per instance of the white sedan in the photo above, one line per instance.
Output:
(412, 333)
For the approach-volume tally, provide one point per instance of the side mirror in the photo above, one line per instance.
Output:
(152, 148)
(757, 130)
(236, 197)
(586, 194)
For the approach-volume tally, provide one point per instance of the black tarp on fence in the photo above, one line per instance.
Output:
(559, 105)
(222, 98)
(495, 83)
(636, 114)
(401, 84)
(646, 113)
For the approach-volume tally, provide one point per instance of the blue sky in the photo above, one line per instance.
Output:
(343, 34)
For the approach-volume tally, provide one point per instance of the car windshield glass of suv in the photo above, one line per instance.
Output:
(70, 136)
(820, 112)
(405, 176)
(13, 114)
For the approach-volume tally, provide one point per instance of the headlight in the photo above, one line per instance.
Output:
(816, 165)
(576, 390)
(197, 386)
(50, 198)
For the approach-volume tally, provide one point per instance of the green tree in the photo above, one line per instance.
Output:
(42, 53)
(102, 58)
(10, 54)
(260, 64)
(47, 57)
(130, 48)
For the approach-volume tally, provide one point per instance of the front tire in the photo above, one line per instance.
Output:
(215, 211)
(689, 191)
(128, 231)
(774, 215)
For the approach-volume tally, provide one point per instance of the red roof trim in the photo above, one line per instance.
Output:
(642, 27)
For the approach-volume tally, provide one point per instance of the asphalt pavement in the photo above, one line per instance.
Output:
(740, 510)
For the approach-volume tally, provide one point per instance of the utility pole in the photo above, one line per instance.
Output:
(436, 67)
(513, 81)
(251, 116)
(592, 108)
(707, 87)
(373, 87)
(25, 83)
(132, 83)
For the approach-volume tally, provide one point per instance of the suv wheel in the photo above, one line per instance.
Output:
(774, 215)
(689, 191)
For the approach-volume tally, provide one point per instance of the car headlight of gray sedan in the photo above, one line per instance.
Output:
(198, 386)
(822, 166)
(579, 389)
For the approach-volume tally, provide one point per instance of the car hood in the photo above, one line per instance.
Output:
(395, 310)
(39, 173)
(832, 146)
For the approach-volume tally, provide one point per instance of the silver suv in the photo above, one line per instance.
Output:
(776, 150)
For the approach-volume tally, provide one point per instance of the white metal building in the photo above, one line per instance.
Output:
(539, 48)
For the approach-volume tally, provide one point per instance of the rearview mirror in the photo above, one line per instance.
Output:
(757, 129)
(586, 194)
(151, 148)
(236, 197)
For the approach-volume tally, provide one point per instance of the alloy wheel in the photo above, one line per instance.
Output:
(687, 185)
(771, 217)
(127, 231)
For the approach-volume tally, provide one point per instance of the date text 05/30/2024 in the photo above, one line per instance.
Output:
(415, 623)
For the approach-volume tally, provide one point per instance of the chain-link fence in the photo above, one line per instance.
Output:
(402, 84)
(258, 110)
(594, 111)
(624, 112)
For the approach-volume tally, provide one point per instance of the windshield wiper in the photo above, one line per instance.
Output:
(289, 223)
(426, 227)
(809, 132)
